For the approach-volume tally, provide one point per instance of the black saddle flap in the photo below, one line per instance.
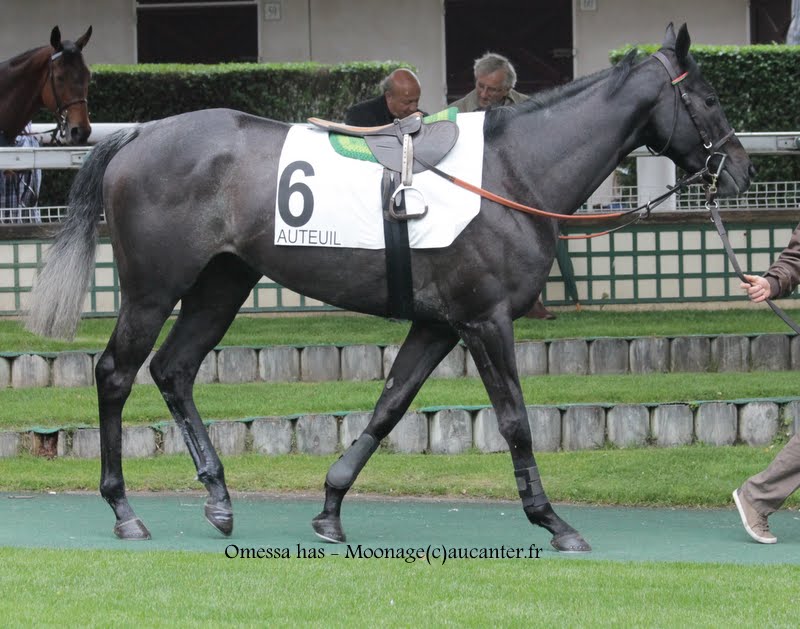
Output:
(431, 143)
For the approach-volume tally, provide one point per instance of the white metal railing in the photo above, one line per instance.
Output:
(651, 182)
(772, 195)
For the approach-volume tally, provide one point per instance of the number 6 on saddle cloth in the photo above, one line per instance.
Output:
(393, 146)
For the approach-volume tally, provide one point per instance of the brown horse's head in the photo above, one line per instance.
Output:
(66, 91)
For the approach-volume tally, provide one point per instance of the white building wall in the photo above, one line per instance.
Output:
(615, 23)
(332, 31)
(26, 24)
(363, 30)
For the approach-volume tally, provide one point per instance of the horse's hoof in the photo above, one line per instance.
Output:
(570, 543)
(131, 529)
(221, 518)
(329, 528)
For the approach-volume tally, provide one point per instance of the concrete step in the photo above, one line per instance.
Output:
(448, 430)
(318, 363)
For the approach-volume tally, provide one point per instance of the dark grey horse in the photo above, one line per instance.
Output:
(188, 199)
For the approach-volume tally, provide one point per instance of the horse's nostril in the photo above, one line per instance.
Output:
(79, 135)
(752, 171)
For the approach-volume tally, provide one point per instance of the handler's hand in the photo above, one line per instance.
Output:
(758, 289)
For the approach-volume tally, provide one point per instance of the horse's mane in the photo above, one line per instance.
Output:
(68, 48)
(497, 118)
(7, 68)
(19, 59)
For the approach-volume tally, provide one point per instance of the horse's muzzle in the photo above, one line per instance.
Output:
(78, 134)
(733, 182)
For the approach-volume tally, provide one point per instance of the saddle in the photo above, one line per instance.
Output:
(394, 146)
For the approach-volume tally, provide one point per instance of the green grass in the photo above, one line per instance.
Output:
(167, 589)
(692, 476)
(257, 331)
(58, 407)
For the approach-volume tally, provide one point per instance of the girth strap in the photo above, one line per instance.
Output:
(399, 285)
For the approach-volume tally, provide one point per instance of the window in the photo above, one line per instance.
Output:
(185, 31)
(536, 35)
(769, 21)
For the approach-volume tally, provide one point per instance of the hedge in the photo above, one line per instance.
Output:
(290, 92)
(756, 85)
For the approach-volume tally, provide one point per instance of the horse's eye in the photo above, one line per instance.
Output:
(711, 101)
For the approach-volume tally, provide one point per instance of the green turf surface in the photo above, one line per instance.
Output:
(255, 331)
(59, 407)
(396, 529)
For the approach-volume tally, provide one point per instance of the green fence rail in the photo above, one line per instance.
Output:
(654, 262)
(668, 262)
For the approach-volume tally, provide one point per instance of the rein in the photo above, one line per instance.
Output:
(713, 207)
(711, 189)
(647, 207)
(712, 148)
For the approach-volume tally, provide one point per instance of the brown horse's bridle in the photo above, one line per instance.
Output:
(60, 112)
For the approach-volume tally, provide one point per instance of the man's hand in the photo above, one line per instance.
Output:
(758, 289)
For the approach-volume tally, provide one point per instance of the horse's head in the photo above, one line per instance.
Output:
(67, 88)
(688, 123)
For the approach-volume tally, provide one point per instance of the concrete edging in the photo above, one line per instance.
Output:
(319, 363)
(448, 430)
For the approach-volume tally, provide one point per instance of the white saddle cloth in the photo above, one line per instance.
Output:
(327, 200)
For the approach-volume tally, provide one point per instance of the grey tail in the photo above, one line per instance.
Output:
(58, 295)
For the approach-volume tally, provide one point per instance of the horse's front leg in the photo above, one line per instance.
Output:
(424, 348)
(491, 343)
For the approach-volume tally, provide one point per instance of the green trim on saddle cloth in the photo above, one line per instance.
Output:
(356, 147)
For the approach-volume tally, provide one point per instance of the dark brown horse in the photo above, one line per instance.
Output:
(53, 77)
(190, 203)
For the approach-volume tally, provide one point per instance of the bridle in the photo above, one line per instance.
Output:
(711, 148)
(60, 112)
(711, 187)
(676, 81)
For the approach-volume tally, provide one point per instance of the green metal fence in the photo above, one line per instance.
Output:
(667, 263)
(648, 263)
(19, 260)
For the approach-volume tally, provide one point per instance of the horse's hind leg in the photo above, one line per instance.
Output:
(207, 311)
(136, 331)
(424, 348)
(491, 343)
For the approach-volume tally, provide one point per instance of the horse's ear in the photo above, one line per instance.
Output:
(682, 44)
(669, 37)
(84, 39)
(55, 39)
